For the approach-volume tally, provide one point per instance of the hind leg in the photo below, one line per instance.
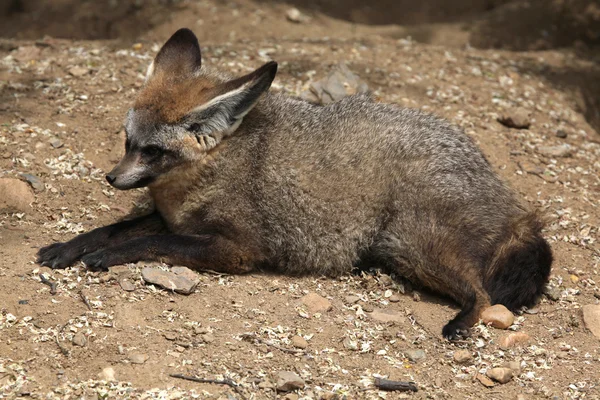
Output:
(473, 300)
(464, 286)
(445, 273)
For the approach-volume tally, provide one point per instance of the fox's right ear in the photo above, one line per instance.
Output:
(220, 116)
(179, 56)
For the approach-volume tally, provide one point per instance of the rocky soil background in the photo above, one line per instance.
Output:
(68, 73)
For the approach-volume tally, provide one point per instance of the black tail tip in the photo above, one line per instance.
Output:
(521, 278)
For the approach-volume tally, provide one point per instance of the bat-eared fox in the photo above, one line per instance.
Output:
(243, 179)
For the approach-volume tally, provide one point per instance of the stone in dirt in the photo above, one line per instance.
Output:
(168, 280)
(35, 182)
(295, 15)
(126, 285)
(462, 356)
(288, 381)
(591, 318)
(386, 316)
(501, 375)
(517, 118)
(485, 381)
(531, 168)
(394, 298)
(497, 316)
(79, 71)
(513, 339)
(515, 366)
(351, 299)
(138, 358)
(553, 293)
(415, 355)
(16, 195)
(107, 374)
(186, 272)
(299, 342)
(562, 150)
(339, 83)
(315, 303)
(79, 339)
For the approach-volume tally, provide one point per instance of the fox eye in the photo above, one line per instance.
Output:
(195, 127)
(151, 151)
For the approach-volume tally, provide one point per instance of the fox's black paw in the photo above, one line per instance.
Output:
(58, 255)
(99, 260)
(456, 330)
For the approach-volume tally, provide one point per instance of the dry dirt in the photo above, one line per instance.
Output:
(62, 102)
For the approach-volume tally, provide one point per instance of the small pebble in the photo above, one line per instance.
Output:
(497, 316)
(513, 339)
(553, 293)
(299, 342)
(126, 285)
(463, 356)
(56, 143)
(316, 303)
(351, 299)
(387, 316)
(107, 374)
(517, 118)
(79, 339)
(394, 298)
(501, 375)
(288, 381)
(138, 358)
(485, 381)
(415, 354)
(515, 366)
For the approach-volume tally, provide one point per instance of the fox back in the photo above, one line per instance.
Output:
(304, 188)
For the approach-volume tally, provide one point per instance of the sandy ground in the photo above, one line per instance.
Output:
(62, 103)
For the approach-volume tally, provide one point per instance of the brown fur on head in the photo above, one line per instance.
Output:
(182, 113)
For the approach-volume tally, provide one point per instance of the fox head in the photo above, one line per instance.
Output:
(182, 113)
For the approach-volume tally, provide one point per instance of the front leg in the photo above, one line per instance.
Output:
(62, 255)
(201, 252)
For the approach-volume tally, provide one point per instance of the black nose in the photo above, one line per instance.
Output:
(111, 178)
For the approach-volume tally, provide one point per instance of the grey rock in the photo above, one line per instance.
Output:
(288, 381)
(126, 285)
(339, 83)
(35, 182)
(168, 280)
(79, 339)
(415, 355)
(561, 134)
(562, 150)
(56, 143)
(553, 293)
(351, 299)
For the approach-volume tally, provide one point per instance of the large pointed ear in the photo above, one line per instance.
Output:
(179, 56)
(229, 102)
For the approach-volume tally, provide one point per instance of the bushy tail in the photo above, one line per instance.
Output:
(521, 265)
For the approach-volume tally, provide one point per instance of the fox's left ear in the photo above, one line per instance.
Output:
(228, 103)
(179, 56)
